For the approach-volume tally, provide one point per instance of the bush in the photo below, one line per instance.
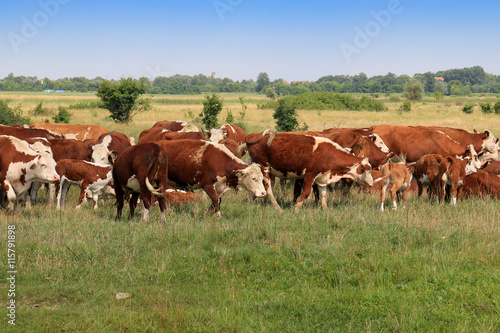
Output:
(405, 106)
(10, 116)
(62, 116)
(286, 117)
(39, 110)
(394, 98)
(496, 107)
(229, 117)
(212, 106)
(468, 108)
(486, 107)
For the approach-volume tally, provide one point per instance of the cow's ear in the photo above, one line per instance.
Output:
(112, 157)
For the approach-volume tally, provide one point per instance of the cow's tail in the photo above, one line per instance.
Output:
(242, 149)
(155, 161)
(272, 134)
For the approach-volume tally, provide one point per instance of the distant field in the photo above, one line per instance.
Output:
(350, 268)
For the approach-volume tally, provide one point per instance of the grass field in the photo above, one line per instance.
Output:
(350, 268)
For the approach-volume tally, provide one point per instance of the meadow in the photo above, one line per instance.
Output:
(349, 268)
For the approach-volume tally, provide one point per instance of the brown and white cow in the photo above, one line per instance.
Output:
(73, 131)
(89, 176)
(317, 160)
(414, 143)
(20, 166)
(482, 184)
(196, 164)
(482, 141)
(24, 133)
(109, 144)
(493, 167)
(158, 133)
(452, 173)
(136, 170)
(176, 126)
(399, 176)
(426, 174)
(227, 131)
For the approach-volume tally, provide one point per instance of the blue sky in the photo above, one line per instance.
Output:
(238, 39)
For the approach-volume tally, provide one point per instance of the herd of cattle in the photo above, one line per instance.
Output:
(173, 158)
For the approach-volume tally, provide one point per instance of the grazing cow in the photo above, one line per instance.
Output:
(158, 133)
(109, 144)
(227, 131)
(20, 166)
(482, 184)
(426, 174)
(89, 176)
(399, 176)
(493, 167)
(135, 170)
(314, 159)
(176, 126)
(194, 164)
(73, 131)
(484, 141)
(414, 143)
(452, 172)
(24, 133)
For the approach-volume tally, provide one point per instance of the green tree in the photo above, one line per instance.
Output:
(212, 106)
(286, 116)
(414, 90)
(262, 81)
(271, 93)
(63, 116)
(122, 100)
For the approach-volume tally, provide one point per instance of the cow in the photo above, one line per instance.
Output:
(237, 150)
(72, 131)
(176, 126)
(426, 174)
(89, 176)
(196, 164)
(484, 141)
(20, 166)
(452, 173)
(482, 184)
(314, 159)
(24, 133)
(399, 176)
(135, 170)
(227, 131)
(158, 133)
(71, 149)
(413, 143)
(109, 144)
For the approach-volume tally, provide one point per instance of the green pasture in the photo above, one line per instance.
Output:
(349, 268)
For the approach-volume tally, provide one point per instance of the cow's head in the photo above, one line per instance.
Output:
(44, 169)
(490, 143)
(362, 173)
(216, 135)
(470, 166)
(251, 179)
(474, 159)
(101, 154)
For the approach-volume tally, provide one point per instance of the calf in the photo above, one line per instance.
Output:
(482, 184)
(314, 159)
(89, 176)
(399, 176)
(109, 144)
(452, 172)
(158, 133)
(426, 174)
(493, 167)
(194, 164)
(20, 166)
(135, 170)
(227, 131)
(176, 126)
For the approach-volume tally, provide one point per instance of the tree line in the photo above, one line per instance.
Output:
(462, 81)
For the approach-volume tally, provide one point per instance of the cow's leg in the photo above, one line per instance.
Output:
(95, 197)
(34, 191)
(162, 202)
(83, 193)
(212, 193)
(60, 197)
(322, 190)
(306, 191)
(52, 192)
(382, 196)
(132, 203)
(10, 193)
(394, 193)
(119, 201)
(459, 193)
(282, 186)
(269, 188)
(453, 193)
(297, 189)
(146, 203)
